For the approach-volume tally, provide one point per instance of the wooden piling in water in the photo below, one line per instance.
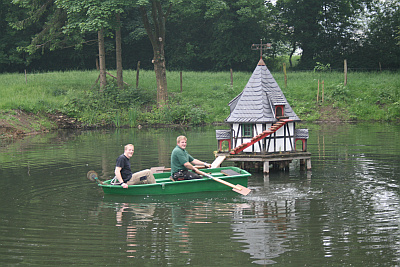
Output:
(282, 160)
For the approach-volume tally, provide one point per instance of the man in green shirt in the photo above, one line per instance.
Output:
(182, 167)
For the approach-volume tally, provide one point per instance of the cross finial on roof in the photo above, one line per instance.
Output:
(260, 47)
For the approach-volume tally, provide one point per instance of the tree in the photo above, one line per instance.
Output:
(102, 58)
(42, 22)
(398, 35)
(118, 51)
(97, 16)
(37, 11)
(380, 36)
(10, 58)
(31, 33)
(155, 28)
(324, 30)
(217, 35)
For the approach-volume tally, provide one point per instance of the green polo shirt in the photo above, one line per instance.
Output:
(179, 157)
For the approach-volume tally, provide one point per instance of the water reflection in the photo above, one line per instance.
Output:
(264, 221)
(129, 213)
(267, 224)
(177, 225)
(136, 212)
(346, 211)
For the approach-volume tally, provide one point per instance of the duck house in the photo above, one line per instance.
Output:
(263, 126)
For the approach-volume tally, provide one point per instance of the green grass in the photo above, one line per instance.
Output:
(204, 97)
(367, 96)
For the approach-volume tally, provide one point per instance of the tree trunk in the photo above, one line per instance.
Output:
(291, 54)
(102, 59)
(161, 77)
(306, 59)
(118, 50)
(160, 70)
(156, 33)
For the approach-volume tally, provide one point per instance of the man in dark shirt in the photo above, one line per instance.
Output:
(123, 170)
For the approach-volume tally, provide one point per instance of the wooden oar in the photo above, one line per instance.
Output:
(237, 188)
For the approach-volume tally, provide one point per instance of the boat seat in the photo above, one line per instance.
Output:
(229, 172)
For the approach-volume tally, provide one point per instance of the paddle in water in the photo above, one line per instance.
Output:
(92, 176)
(237, 188)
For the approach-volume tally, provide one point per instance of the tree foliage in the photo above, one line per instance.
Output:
(325, 31)
(216, 35)
(199, 35)
(380, 36)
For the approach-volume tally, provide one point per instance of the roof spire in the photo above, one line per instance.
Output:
(261, 62)
(260, 47)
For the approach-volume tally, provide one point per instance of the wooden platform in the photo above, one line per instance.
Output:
(282, 159)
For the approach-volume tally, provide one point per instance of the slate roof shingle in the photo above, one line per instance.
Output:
(256, 103)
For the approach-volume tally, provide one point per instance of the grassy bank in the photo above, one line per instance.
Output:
(204, 97)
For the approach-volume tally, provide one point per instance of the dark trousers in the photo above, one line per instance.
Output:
(185, 175)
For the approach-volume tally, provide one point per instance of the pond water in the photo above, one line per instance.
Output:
(346, 211)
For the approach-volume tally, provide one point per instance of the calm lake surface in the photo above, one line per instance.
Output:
(345, 212)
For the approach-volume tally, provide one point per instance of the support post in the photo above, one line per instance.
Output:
(266, 166)
(302, 164)
(308, 164)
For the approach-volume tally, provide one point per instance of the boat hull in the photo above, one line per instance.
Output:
(165, 186)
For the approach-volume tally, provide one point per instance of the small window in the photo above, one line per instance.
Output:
(247, 130)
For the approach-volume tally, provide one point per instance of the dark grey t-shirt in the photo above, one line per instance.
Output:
(124, 163)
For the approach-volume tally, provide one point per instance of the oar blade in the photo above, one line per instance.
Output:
(92, 176)
(237, 188)
(241, 190)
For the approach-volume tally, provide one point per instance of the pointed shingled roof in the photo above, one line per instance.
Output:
(256, 103)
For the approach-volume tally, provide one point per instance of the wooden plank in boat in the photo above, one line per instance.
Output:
(157, 169)
(217, 162)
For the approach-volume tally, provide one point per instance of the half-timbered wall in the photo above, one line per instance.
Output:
(280, 141)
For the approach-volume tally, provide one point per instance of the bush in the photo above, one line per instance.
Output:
(109, 106)
(339, 93)
(177, 112)
(127, 107)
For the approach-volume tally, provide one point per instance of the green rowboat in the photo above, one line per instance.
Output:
(165, 186)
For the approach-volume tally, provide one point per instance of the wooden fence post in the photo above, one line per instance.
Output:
(181, 80)
(345, 72)
(231, 77)
(318, 92)
(284, 71)
(137, 74)
(26, 79)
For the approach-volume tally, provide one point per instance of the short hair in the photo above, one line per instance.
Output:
(128, 145)
(181, 137)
